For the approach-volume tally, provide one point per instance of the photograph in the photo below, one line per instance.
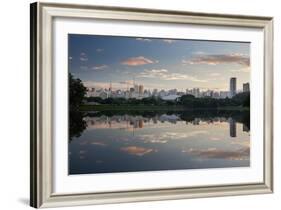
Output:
(138, 104)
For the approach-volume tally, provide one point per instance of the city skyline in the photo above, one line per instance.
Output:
(119, 62)
(138, 91)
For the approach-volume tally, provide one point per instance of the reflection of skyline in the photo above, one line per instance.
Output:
(150, 141)
(130, 123)
(232, 127)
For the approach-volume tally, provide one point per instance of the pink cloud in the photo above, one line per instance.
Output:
(240, 154)
(237, 58)
(137, 61)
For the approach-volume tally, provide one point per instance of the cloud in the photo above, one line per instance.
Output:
(165, 75)
(127, 82)
(169, 41)
(236, 58)
(70, 57)
(115, 85)
(84, 67)
(143, 39)
(83, 56)
(240, 154)
(199, 53)
(100, 67)
(137, 61)
(99, 50)
(138, 151)
(215, 74)
(243, 70)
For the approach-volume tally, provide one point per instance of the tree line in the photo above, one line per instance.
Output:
(240, 99)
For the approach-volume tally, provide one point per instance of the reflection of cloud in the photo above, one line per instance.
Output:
(134, 150)
(100, 67)
(99, 143)
(241, 143)
(143, 39)
(99, 50)
(165, 75)
(164, 137)
(137, 61)
(237, 58)
(215, 139)
(241, 154)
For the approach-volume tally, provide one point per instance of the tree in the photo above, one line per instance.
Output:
(242, 99)
(77, 92)
(187, 100)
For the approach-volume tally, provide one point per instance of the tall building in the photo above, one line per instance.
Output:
(110, 86)
(232, 87)
(141, 88)
(224, 94)
(154, 92)
(196, 92)
(136, 88)
(246, 87)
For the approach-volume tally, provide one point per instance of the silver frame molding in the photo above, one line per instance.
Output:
(41, 168)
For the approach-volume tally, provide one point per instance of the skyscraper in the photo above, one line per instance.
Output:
(232, 87)
(246, 87)
(141, 89)
(136, 88)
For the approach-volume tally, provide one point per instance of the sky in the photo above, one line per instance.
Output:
(157, 62)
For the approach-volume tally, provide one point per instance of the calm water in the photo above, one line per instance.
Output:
(106, 142)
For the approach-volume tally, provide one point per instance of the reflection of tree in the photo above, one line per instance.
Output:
(245, 119)
(76, 124)
(187, 116)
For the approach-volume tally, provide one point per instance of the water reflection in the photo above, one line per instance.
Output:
(232, 127)
(145, 141)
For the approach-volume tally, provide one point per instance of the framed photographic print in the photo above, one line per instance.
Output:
(136, 105)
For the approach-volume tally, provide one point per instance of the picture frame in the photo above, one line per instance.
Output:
(42, 159)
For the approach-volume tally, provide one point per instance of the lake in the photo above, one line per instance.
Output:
(120, 141)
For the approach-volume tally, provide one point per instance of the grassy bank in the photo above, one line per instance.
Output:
(112, 107)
